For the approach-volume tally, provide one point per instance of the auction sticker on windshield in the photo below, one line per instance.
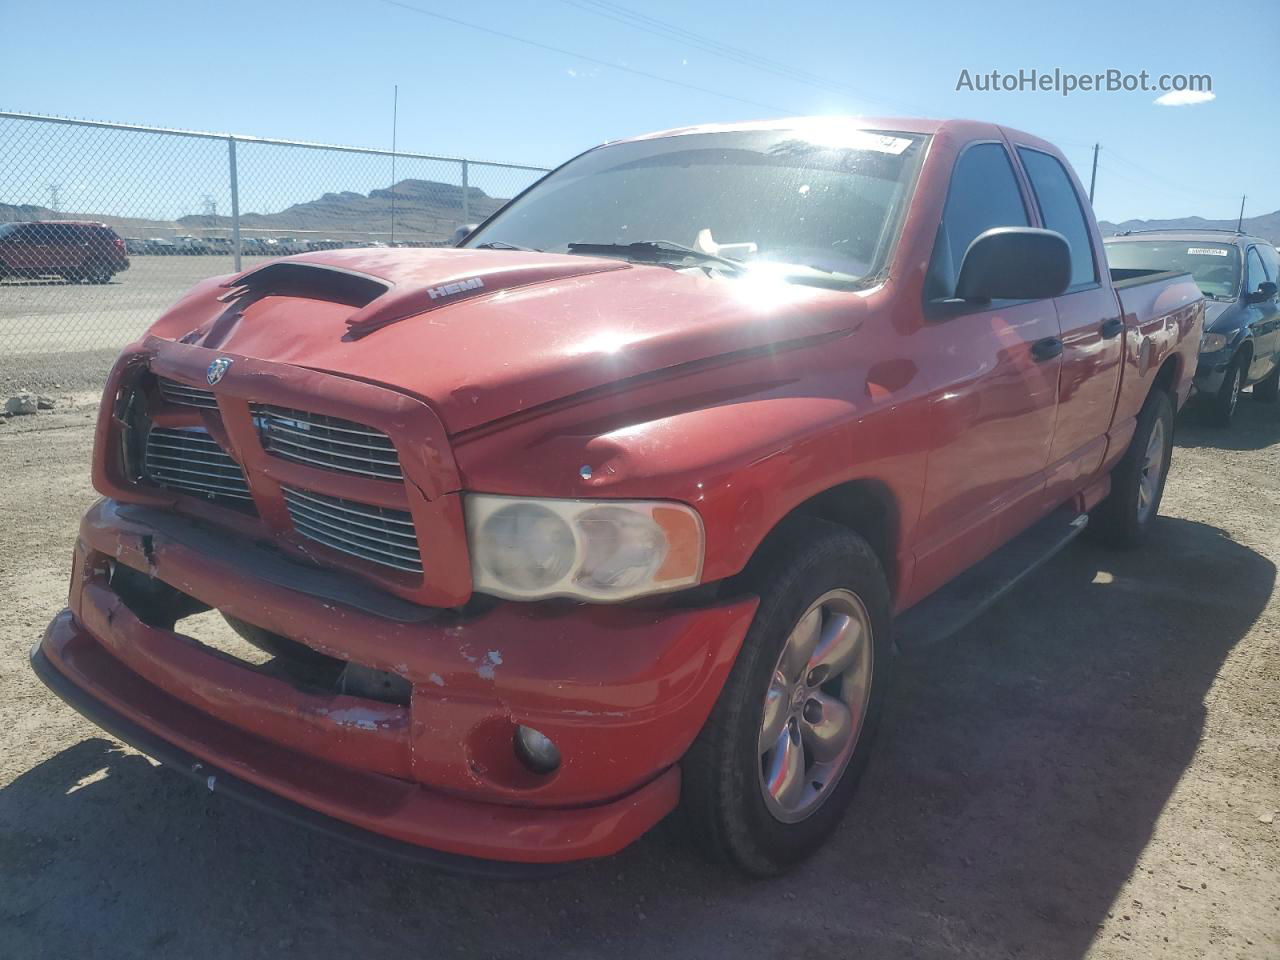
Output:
(1206, 252)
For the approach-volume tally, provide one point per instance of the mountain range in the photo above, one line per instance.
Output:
(1266, 226)
(424, 210)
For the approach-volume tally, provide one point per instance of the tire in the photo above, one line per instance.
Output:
(1225, 401)
(726, 805)
(1125, 516)
(1267, 390)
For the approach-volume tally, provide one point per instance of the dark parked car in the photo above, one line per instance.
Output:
(1238, 275)
(74, 249)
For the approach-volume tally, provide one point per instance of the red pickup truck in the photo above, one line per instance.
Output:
(618, 509)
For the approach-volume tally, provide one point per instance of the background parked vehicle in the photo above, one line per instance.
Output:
(290, 245)
(161, 247)
(193, 246)
(73, 249)
(135, 245)
(1238, 274)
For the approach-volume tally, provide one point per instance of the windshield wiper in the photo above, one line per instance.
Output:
(657, 250)
(503, 245)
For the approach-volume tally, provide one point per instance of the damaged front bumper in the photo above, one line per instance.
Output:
(621, 691)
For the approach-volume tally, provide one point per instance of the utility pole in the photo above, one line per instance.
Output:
(1093, 177)
(1240, 219)
(395, 110)
(55, 200)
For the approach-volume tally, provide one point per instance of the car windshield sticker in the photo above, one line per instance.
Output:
(1206, 252)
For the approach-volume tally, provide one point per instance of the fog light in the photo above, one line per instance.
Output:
(536, 750)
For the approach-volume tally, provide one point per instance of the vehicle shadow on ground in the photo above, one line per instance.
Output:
(1020, 773)
(1255, 426)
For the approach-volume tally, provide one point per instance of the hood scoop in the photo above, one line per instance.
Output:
(457, 285)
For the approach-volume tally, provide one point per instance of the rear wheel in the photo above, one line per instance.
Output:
(1267, 390)
(771, 773)
(1137, 481)
(1227, 398)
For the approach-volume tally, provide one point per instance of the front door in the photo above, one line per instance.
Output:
(1264, 319)
(995, 386)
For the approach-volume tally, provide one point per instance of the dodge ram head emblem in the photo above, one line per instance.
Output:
(218, 370)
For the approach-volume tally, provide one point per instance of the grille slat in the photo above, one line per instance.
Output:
(378, 534)
(405, 534)
(186, 396)
(330, 443)
(365, 510)
(189, 460)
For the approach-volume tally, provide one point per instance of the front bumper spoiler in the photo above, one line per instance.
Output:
(379, 813)
(222, 782)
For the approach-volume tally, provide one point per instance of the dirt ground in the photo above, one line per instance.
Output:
(1092, 769)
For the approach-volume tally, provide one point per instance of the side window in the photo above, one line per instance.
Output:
(1060, 209)
(1255, 275)
(983, 194)
(1271, 260)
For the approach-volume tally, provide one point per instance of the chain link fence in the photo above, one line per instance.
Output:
(103, 225)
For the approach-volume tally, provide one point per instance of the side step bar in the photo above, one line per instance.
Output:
(956, 604)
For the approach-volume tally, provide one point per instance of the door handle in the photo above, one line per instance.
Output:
(1046, 349)
(1112, 328)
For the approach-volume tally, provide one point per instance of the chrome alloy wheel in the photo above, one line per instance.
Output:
(815, 706)
(1152, 469)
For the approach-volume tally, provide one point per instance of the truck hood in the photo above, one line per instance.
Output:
(484, 334)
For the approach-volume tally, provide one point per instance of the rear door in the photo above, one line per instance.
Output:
(996, 387)
(1092, 330)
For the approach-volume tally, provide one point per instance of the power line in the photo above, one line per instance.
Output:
(743, 57)
(584, 58)
(1155, 176)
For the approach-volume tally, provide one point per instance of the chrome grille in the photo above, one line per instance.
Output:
(328, 442)
(188, 459)
(378, 534)
(179, 393)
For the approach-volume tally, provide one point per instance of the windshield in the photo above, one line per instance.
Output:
(826, 199)
(1215, 267)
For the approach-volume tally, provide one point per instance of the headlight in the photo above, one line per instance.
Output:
(602, 550)
(1212, 342)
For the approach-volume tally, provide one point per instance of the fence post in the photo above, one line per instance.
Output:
(466, 196)
(235, 201)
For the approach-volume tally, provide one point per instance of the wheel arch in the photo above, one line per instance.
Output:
(1169, 375)
(864, 506)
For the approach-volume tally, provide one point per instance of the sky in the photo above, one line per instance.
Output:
(539, 82)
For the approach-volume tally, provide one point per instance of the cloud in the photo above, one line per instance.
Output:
(1185, 98)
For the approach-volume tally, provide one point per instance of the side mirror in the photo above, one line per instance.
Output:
(1266, 290)
(1015, 263)
(462, 232)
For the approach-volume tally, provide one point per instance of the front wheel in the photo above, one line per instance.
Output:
(1137, 481)
(1227, 398)
(771, 773)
